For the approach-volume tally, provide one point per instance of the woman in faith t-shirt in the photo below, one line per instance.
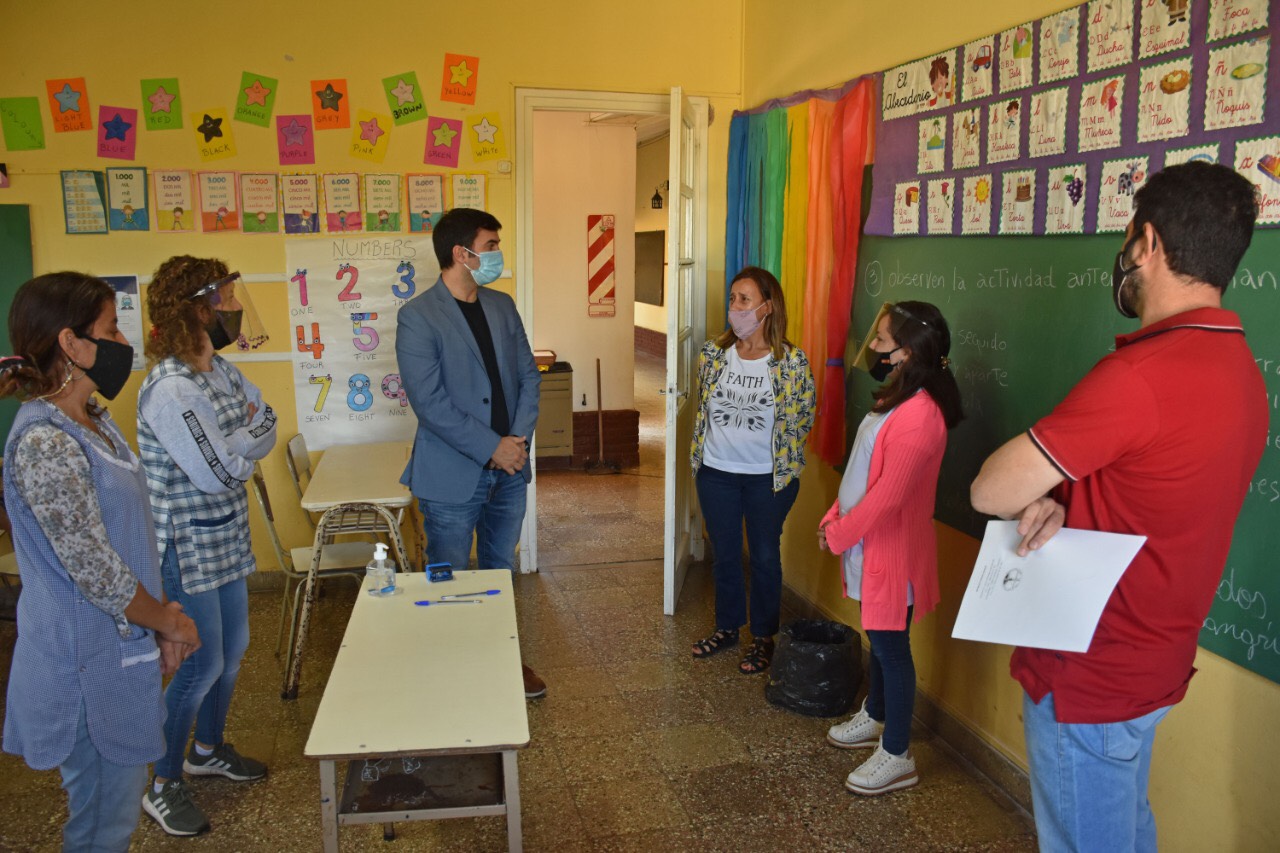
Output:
(755, 409)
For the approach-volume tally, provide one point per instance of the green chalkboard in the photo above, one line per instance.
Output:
(15, 269)
(1029, 316)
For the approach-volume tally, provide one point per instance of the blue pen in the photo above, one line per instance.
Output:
(469, 594)
(429, 603)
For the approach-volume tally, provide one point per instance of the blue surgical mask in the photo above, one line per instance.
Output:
(490, 266)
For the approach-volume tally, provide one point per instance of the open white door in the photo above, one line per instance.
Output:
(686, 331)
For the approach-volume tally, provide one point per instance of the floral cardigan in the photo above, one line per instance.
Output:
(793, 401)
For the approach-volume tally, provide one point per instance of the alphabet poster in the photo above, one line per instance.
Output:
(1105, 91)
(343, 299)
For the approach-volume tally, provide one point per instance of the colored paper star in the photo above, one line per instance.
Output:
(461, 73)
(294, 133)
(116, 128)
(256, 94)
(444, 135)
(370, 131)
(210, 127)
(160, 100)
(329, 98)
(68, 99)
(485, 131)
(403, 93)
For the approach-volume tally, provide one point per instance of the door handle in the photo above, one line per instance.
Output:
(680, 395)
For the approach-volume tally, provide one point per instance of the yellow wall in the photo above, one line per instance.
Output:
(571, 44)
(1215, 773)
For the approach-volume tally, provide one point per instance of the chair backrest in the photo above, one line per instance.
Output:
(298, 461)
(353, 518)
(259, 488)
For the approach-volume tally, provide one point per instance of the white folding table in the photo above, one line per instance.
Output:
(427, 704)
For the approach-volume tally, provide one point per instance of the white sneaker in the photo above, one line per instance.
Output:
(858, 732)
(883, 772)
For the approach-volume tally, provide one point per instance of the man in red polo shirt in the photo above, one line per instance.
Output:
(1161, 439)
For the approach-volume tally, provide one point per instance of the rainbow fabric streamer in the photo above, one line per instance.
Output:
(794, 207)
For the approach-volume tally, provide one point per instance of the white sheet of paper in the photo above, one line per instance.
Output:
(1050, 599)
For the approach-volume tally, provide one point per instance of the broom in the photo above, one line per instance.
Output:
(601, 465)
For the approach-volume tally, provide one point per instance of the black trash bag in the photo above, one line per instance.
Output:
(817, 668)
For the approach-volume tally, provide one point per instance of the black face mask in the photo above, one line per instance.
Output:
(111, 368)
(225, 328)
(881, 368)
(1118, 274)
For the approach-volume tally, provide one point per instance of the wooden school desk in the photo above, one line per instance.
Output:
(359, 473)
(427, 704)
(364, 473)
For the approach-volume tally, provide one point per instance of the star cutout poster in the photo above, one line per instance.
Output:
(161, 104)
(213, 134)
(488, 142)
(295, 140)
(330, 104)
(20, 122)
(404, 98)
(117, 132)
(444, 139)
(69, 104)
(256, 99)
(370, 136)
(461, 74)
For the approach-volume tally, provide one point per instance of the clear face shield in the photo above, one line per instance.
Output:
(235, 319)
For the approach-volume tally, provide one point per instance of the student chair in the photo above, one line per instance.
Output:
(343, 558)
(335, 519)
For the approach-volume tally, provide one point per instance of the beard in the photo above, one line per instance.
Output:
(1131, 290)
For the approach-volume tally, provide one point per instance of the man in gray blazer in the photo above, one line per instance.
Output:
(470, 377)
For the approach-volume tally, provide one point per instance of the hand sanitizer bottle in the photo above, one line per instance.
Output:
(381, 573)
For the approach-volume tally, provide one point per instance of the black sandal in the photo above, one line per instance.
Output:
(758, 656)
(717, 642)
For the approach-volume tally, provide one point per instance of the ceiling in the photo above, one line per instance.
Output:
(649, 126)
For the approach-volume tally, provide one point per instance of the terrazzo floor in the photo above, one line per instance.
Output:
(625, 508)
(637, 747)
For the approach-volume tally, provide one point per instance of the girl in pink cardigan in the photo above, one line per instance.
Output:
(882, 526)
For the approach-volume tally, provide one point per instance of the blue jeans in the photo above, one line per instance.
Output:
(1089, 780)
(201, 688)
(493, 513)
(104, 799)
(727, 501)
(891, 685)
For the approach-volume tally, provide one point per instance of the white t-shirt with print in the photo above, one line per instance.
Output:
(740, 418)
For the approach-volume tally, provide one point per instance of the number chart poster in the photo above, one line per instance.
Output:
(343, 299)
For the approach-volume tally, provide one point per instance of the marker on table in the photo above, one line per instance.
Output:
(469, 594)
(442, 601)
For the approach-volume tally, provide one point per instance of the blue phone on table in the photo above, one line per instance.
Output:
(437, 572)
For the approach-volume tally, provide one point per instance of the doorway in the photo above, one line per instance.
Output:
(599, 448)
(685, 311)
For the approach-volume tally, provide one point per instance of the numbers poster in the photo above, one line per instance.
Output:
(343, 299)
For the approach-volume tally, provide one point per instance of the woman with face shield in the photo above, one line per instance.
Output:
(881, 525)
(94, 631)
(201, 427)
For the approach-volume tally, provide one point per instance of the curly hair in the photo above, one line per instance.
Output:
(41, 309)
(177, 321)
